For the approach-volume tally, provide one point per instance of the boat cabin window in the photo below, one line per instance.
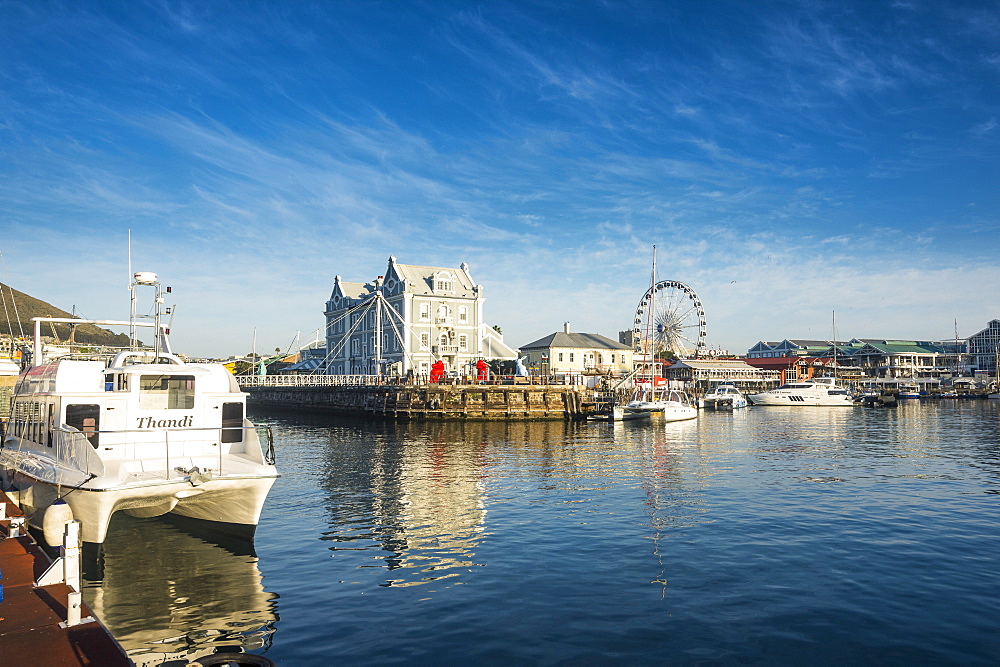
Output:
(26, 420)
(166, 392)
(86, 419)
(232, 422)
(116, 382)
(794, 386)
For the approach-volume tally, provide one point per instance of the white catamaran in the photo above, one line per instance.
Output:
(139, 431)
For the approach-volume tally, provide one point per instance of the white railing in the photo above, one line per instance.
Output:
(388, 380)
(74, 451)
(317, 380)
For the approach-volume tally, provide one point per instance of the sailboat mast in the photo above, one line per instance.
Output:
(834, 323)
(650, 356)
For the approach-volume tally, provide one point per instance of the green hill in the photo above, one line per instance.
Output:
(18, 308)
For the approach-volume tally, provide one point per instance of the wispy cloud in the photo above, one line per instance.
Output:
(822, 148)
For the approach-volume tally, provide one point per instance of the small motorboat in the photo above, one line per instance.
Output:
(725, 396)
(618, 413)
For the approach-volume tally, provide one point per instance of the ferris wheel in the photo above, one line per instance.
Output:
(670, 317)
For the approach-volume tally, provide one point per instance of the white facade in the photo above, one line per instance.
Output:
(565, 352)
(404, 321)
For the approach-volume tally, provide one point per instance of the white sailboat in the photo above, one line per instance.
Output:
(653, 395)
(995, 394)
(139, 431)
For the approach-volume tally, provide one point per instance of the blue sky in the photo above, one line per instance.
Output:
(788, 160)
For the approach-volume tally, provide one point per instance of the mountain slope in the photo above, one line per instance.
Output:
(17, 309)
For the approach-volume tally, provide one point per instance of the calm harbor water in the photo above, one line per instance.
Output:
(773, 535)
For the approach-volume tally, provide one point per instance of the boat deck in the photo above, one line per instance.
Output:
(30, 615)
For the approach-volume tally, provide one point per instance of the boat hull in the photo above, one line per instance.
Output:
(228, 501)
(678, 413)
(797, 400)
(726, 403)
(618, 414)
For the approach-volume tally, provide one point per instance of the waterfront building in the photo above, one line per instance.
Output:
(789, 348)
(407, 319)
(703, 373)
(985, 346)
(901, 359)
(311, 360)
(865, 359)
(566, 352)
(801, 369)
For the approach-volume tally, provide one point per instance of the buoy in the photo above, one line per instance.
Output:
(57, 515)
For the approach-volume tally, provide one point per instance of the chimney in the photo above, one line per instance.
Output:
(565, 327)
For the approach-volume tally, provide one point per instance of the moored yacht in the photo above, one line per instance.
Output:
(817, 391)
(140, 431)
(725, 396)
(646, 399)
(670, 404)
(678, 407)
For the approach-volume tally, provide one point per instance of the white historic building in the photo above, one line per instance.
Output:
(565, 352)
(407, 319)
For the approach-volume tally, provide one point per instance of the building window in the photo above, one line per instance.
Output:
(463, 314)
(463, 342)
(425, 312)
(425, 341)
(443, 283)
(560, 356)
(571, 357)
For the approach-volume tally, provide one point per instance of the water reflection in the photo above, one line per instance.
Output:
(628, 542)
(416, 495)
(169, 597)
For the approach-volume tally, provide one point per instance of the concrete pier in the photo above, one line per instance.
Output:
(431, 401)
(35, 626)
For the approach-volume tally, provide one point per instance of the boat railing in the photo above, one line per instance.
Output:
(163, 454)
(74, 454)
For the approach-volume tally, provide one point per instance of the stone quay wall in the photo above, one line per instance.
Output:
(430, 402)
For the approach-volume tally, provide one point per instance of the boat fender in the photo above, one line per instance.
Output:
(54, 521)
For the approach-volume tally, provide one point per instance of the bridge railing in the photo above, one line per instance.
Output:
(316, 380)
(413, 380)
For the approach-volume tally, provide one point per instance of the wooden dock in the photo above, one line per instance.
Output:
(32, 618)
(431, 401)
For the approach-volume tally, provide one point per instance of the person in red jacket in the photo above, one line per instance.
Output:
(483, 370)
